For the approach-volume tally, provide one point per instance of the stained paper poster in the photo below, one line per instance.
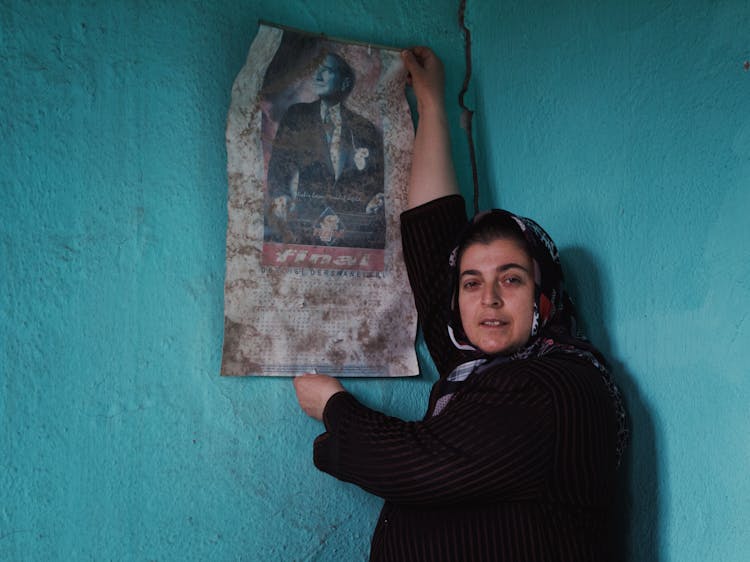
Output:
(319, 139)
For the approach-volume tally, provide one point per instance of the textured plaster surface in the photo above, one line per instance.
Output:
(118, 438)
(621, 126)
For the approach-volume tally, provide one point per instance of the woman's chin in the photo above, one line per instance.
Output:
(498, 348)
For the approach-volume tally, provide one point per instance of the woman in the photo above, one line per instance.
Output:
(516, 456)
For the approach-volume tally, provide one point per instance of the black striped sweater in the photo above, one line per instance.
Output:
(518, 467)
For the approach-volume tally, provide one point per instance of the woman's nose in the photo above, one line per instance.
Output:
(491, 295)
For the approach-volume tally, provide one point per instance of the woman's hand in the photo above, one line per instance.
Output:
(313, 392)
(426, 76)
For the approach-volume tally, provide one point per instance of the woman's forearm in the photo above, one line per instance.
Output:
(432, 173)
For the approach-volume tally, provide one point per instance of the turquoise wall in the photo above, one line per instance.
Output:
(118, 438)
(623, 127)
(620, 126)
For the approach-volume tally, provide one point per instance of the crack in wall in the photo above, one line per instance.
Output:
(467, 114)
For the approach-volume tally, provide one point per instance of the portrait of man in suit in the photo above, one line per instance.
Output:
(325, 181)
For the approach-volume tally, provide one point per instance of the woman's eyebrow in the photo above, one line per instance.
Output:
(469, 272)
(499, 268)
(512, 265)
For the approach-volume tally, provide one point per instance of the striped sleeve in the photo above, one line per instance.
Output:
(494, 442)
(428, 233)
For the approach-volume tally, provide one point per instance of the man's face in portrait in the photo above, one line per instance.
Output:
(328, 83)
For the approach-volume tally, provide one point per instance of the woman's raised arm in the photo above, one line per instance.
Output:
(432, 172)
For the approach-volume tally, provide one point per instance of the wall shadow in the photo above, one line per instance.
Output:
(637, 501)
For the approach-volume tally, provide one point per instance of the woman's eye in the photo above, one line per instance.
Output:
(470, 285)
(512, 280)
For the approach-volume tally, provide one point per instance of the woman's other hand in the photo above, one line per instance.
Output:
(313, 392)
(426, 76)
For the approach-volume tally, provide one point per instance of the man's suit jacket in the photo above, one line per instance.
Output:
(300, 167)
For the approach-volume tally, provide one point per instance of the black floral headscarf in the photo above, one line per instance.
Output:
(554, 327)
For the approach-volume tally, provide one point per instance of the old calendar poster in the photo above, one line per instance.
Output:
(319, 139)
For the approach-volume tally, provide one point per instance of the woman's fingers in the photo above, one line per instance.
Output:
(313, 392)
(425, 75)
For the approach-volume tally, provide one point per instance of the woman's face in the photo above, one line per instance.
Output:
(496, 295)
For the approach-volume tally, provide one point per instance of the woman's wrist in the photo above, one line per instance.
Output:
(431, 108)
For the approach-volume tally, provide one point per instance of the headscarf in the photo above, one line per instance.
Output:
(554, 327)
